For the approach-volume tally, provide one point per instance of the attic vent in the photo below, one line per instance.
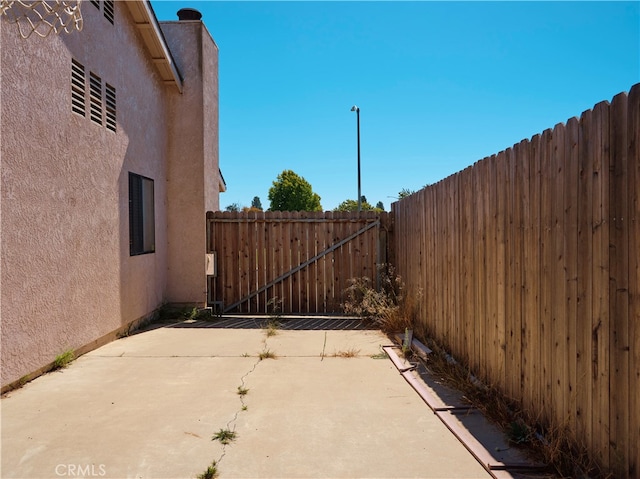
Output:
(110, 100)
(95, 88)
(77, 88)
(96, 3)
(108, 10)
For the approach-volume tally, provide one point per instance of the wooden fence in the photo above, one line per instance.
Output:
(529, 263)
(302, 259)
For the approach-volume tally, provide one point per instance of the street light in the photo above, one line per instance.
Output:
(357, 110)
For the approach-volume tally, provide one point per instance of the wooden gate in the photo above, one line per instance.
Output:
(299, 261)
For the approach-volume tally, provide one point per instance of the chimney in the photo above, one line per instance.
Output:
(189, 14)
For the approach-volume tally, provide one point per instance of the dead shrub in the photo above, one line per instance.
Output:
(390, 306)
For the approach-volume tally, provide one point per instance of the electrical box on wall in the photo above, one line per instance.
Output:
(212, 264)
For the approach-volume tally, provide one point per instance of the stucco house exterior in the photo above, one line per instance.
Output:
(109, 159)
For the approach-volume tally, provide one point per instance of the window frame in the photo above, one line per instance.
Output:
(141, 215)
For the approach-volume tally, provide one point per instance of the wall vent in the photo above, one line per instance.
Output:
(110, 110)
(108, 7)
(77, 88)
(95, 88)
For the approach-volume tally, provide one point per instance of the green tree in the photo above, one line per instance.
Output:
(404, 192)
(380, 206)
(256, 203)
(291, 192)
(233, 207)
(352, 205)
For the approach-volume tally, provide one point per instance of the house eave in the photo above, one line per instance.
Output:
(147, 24)
(222, 183)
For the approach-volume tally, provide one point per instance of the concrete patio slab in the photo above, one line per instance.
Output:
(147, 406)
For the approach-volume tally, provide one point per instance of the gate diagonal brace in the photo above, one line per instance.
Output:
(303, 265)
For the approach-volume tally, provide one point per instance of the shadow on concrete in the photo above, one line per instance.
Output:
(288, 323)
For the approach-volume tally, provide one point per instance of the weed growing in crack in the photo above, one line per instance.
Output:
(271, 328)
(242, 391)
(63, 360)
(381, 355)
(267, 354)
(348, 353)
(244, 407)
(211, 472)
(225, 436)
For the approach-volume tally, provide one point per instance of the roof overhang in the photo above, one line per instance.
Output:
(222, 183)
(147, 24)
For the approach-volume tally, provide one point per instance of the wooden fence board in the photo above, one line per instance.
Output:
(301, 280)
(584, 348)
(312, 276)
(441, 286)
(466, 256)
(276, 292)
(519, 268)
(433, 252)
(512, 295)
(346, 257)
(547, 282)
(322, 268)
(558, 370)
(619, 288)
(232, 263)
(261, 260)
(600, 385)
(342, 260)
(480, 267)
(441, 291)
(633, 161)
(243, 265)
(489, 317)
(427, 211)
(501, 175)
(291, 257)
(458, 324)
(419, 285)
(329, 289)
(571, 176)
(297, 257)
(531, 318)
(448, 264)
(252, 241)
(434, 284)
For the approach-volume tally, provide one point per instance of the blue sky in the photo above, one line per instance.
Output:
(440, 85)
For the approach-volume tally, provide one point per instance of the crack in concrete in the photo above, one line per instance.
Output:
(231, 425)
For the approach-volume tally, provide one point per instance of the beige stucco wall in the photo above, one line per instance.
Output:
(66, 274)
(193, 181)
